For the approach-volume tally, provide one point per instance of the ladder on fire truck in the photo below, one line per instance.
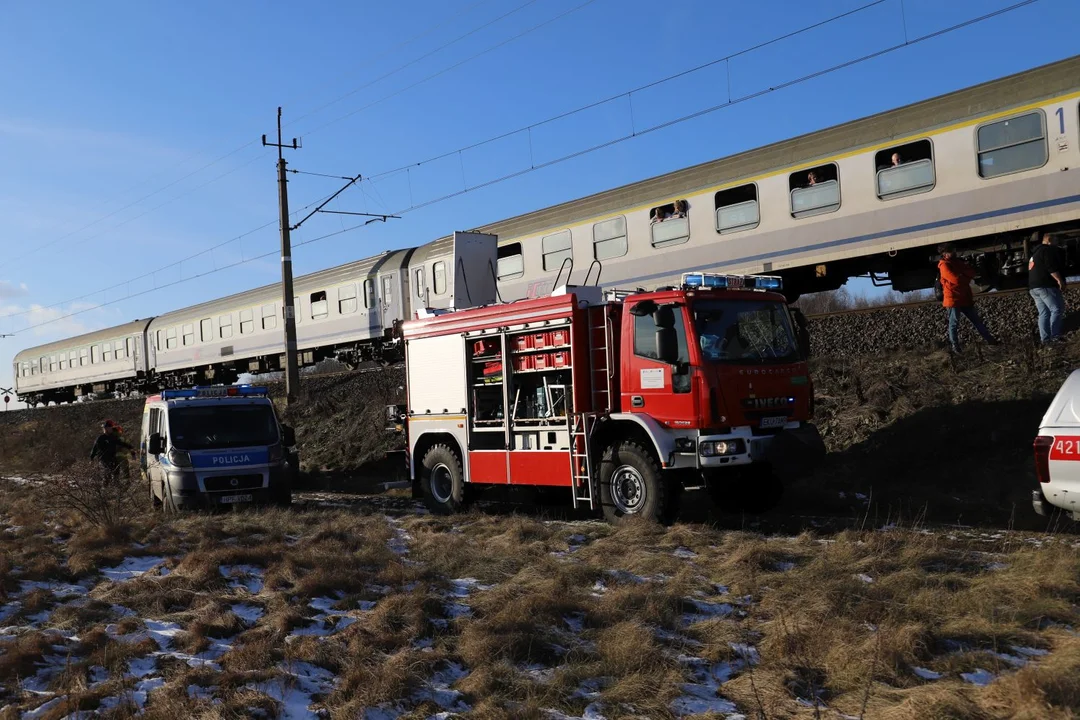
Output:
(582, 424)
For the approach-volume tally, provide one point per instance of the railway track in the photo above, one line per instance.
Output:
(991, 296)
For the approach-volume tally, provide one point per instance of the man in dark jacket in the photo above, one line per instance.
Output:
(107, 446)
(956, 277)
(1046, 283)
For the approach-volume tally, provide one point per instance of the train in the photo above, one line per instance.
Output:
(988, 169)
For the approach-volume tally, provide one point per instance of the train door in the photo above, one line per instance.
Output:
(390, 302)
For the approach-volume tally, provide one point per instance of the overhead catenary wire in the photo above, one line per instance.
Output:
(576, 154)
(249, 144)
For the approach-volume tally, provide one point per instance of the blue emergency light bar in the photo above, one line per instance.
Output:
(732, 282)
(215, 391)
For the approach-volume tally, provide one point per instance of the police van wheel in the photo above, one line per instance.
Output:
(630, 484)
(442, 480)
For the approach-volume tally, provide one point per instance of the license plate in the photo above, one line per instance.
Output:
(235, 499)
(773, 422)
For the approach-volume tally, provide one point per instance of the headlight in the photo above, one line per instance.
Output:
(179, 458)
(716, 448)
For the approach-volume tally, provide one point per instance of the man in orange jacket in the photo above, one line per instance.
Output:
(956, 277)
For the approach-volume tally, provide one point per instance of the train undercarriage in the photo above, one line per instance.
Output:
(1000, 261)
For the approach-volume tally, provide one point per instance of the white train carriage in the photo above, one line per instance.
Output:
(345, 311)
(350, 312)
(985, 167)
(108, 360)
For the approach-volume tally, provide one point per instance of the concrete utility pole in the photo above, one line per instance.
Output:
(292, 366)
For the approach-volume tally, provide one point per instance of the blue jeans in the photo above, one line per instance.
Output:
(1051, 307)
(954, 325)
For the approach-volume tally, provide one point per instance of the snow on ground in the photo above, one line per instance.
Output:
(248, 577)
(132, 567)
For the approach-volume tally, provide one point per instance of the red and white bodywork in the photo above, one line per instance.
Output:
(625, 398)
(1057, 452)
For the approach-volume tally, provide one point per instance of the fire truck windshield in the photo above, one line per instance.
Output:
(741, 331)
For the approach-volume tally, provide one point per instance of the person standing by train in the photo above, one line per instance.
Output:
(107, 448)
(1046, 284)
(956, 277)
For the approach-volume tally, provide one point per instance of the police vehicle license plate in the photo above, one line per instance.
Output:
(235, 499)
(774, 422)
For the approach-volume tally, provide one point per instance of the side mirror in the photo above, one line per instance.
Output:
(155, 445)
(643, 308)
(288, 436)
(667, 345)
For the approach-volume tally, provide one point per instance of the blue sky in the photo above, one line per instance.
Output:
(107, 103)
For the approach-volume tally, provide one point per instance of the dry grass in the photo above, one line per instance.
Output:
(509, 617)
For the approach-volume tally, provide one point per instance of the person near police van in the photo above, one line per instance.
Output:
(956, 296)
(1046, 284)
(107, 447)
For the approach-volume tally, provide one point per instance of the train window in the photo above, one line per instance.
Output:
(609, 238)
(1012, 145)
(159, 340)
(556, 249)
(670, 224)
(319, 306)
(369, 293)
(346, 299)
(510, 263)
(107, 352)
(52, 363)
(95, 354)
(206, 330)
(189, 334)
(815, 191)
(387, 290)
(438, 277)
(225, 326)
(170, 338)
(298, 313)
(905, 170)
(84, 355)
(269, 316)
(419, 282)
(63, 362)
(247, 322)
(737, 209)
(73, 359)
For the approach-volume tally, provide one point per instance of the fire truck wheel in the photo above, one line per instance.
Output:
(630, 484)
(442, 480)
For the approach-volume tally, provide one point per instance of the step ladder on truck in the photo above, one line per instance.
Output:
(625, 398)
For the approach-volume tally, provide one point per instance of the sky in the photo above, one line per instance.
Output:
(130, 132)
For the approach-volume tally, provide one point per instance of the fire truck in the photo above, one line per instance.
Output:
(626, 399)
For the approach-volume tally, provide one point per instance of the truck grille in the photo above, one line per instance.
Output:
(222, 483)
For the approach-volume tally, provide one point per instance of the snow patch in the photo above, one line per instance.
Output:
(248, 613)
(980, 677)
(926, 674)
(132, 567)
(248, 577)
(865, 578)
(684, 552)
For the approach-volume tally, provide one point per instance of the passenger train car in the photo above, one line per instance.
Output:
(987, 168)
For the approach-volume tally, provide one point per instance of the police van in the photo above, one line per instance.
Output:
(207, 447)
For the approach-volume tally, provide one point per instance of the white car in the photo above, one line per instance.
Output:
(1057, 452)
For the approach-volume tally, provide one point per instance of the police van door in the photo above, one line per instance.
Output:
(390, 302)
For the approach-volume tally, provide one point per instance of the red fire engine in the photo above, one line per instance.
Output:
(626, 398)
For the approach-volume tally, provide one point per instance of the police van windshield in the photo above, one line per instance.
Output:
(741, 331)
(210, 427)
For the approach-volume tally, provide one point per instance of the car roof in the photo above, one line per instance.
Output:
(1064, 411)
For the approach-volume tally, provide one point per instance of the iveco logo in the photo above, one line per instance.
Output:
(766, 371)
(767, 403)
(231, 459)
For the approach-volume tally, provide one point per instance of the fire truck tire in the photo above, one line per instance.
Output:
(630, 484)
(442, 480)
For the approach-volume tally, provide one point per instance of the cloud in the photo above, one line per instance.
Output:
(55, 323)
(9, 290)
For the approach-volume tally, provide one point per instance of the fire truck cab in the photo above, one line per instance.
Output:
(625, 398)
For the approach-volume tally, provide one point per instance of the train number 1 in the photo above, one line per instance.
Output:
(1060, 112)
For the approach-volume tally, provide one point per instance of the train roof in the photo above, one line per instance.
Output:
(272, 292)
(112, 333)
(1016, 90)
